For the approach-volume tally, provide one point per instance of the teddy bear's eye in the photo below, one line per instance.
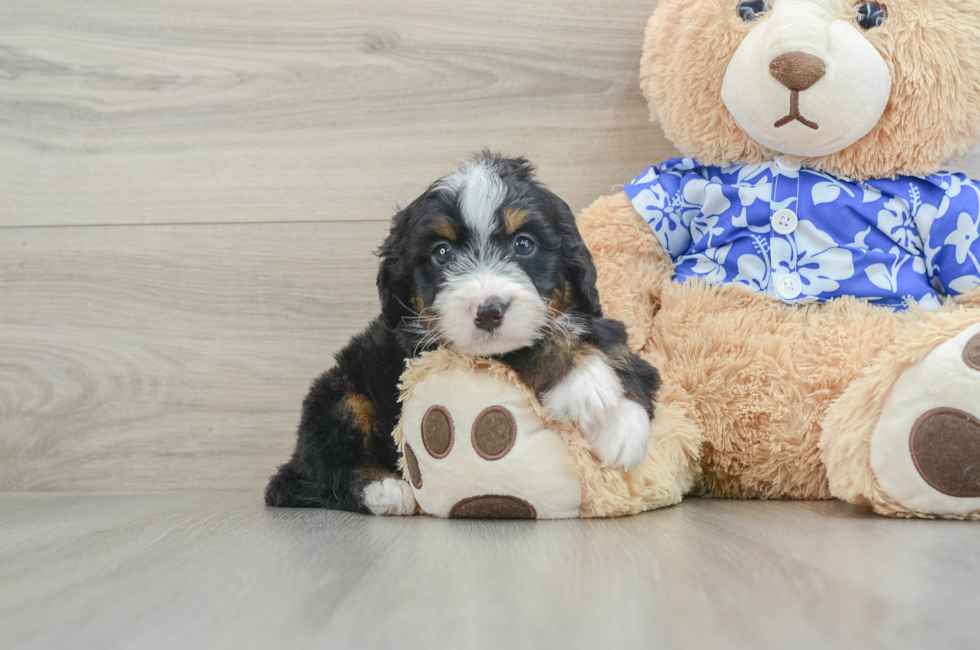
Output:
(751, 10)
(871, 14)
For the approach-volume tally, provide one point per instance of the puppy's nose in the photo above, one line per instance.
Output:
(490, 314)
(797, 70)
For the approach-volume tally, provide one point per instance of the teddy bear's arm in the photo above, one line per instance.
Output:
(632, 264)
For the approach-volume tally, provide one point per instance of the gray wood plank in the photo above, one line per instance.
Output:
(217, 569)
(150, 357)
(162, 111)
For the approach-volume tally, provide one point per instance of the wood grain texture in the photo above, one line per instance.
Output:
(218, 570)
(164, 111)
(169, 356)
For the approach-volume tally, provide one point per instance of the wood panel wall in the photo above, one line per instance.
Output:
(191, 192)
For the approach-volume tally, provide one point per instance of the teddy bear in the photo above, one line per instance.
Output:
(806, 280)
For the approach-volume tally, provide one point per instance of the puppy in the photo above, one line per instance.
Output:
(490, 263)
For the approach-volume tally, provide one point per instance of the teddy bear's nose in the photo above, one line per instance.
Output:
(797, 71)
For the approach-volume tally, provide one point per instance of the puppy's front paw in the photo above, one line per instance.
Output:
(620, 441)
(390, 496)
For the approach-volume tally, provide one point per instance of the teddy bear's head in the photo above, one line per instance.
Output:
(860, 89)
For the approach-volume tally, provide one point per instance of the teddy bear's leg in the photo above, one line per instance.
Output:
(905, 437)
(631, 263)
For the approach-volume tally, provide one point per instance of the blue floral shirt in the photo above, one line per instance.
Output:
(804, 236)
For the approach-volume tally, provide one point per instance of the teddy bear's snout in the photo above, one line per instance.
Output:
(798, 71)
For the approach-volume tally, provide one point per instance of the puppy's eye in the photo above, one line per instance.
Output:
(871, 14)
(524, 246)
(443, 253)
(752, 10)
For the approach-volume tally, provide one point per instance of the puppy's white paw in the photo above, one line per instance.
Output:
(591, 396)
(622, 439)
(586, 395)
(390, 496)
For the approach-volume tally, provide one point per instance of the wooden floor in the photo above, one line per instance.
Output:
(219, 570)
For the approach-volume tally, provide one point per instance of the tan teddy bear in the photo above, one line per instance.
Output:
(807, 282)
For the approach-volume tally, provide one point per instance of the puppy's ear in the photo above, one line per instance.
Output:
(579, 266)
(394, 290)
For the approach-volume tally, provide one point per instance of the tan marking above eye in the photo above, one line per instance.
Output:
(494, 433)
(514, 218)
(444, 228)
(438, 431)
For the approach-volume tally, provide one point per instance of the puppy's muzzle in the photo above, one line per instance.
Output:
(490, 315)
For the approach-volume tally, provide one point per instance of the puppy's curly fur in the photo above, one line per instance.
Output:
(488, 262)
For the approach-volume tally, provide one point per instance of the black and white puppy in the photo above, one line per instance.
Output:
(487, 262)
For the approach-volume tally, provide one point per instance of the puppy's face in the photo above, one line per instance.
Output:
(486, 261)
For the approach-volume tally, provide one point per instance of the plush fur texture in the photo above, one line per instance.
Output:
(760, 399)
(768, 385)
(666, 474)
(933, 54)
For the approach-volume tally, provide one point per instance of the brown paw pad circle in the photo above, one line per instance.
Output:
(438, 431)
(494, 433)
(412, 464)
(945, 446)
(972, 353)
(493, 506)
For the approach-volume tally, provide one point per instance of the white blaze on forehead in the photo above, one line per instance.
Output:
(480, 192)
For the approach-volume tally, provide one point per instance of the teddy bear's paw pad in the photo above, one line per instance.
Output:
(494, 433)
(438, 432)
(474, 445)
(412, 464)
(390, 496)
(925, 449)
(493, 506)
(946, 450)
(972, 353)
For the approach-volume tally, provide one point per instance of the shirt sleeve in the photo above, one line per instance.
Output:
(950, 236)
(657, 197)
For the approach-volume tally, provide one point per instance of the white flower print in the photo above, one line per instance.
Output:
(907, 240)
(884, 277)
(812, 253)
(929, 301)
(965, 284)
(896, 221)
(963, 238)
(703, 225)
(711, 264)
(662, 212)
(859, 239)
(829, 190)
(704, 197)
(871, 194)
(748, 192)
(754, 270)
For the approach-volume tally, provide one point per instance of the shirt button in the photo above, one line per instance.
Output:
(789, 286)
(784, 222)
(788, 164)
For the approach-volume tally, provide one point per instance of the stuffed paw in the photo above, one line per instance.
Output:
(474, 447)
(476, 443)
